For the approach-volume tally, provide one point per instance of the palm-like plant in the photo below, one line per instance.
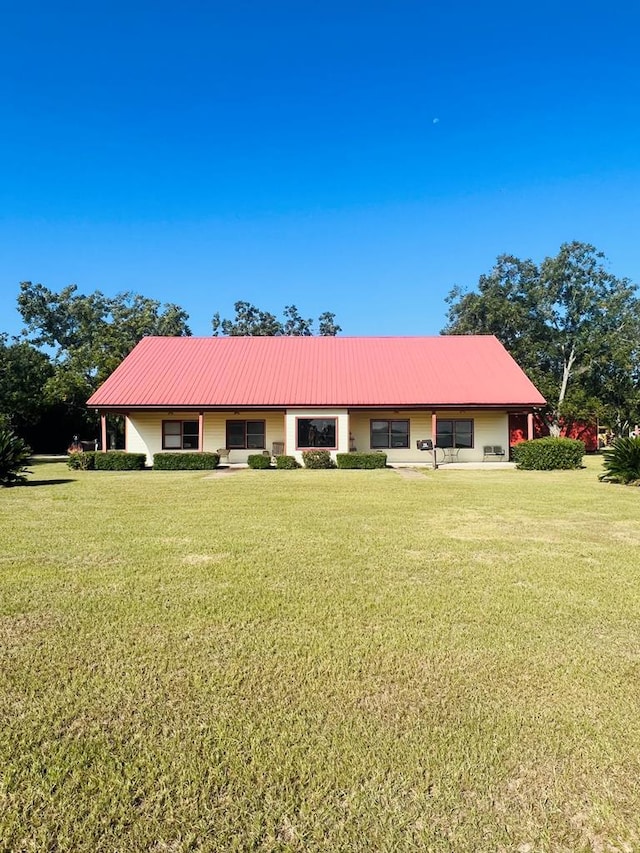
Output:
(14, 456)
(622, 461)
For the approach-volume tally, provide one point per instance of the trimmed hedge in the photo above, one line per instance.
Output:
(185, 461)
(361, 460)
(288, 462)
(258, 461)
(82, 460)
(119, 460)
(317, 459)
(548, 454)
(112, 460)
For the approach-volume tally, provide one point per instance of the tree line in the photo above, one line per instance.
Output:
(573, 327)
(570, 323)
(71, 342)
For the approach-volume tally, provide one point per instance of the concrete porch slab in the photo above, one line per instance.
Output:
(460, 466)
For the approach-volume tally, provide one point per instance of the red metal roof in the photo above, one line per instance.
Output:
(258, 372)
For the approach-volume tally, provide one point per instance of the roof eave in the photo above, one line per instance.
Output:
(449, 404)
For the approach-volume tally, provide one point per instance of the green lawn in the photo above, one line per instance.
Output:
(319, 660)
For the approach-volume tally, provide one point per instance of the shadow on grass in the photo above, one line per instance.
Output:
(58, 482)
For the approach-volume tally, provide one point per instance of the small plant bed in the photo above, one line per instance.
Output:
(185, 461)
(361, 460)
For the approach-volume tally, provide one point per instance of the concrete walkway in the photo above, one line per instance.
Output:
(484, 466)
(410, 473)
(225, 470)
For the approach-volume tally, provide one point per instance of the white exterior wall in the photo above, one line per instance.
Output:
(419, 427)
(489, 427)
(144, 431)
(342, 432)
(215, 431)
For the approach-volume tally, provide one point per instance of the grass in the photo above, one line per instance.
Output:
(319, 660)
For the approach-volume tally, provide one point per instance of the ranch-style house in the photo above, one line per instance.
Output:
(244, 395)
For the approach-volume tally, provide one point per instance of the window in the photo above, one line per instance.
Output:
(455, 433)
(179, 435)
(245, 435)
(317, 432)
(389, 434)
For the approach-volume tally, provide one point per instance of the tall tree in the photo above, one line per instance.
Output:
(24, 373)
(294, 324)
(253, 322)
(90, 334)
(571, 324)
(327, 326)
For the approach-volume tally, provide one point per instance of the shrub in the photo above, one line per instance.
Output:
(14, 456)
(82, 460)
(548, 454)
(287, 462)
(185, 461)
(361, 460)
(317, 459)
(119, 460)
(622, 461)
(259, 461)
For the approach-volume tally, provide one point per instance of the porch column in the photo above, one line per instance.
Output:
(103, 432)
(530, 426)
(200, 432)
(434, 436)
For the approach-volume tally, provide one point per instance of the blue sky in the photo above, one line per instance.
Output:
(356, 157)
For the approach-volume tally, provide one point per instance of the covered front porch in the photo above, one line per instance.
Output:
(431, 436)
(418, 436)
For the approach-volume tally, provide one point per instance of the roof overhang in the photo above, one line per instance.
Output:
(391, 407)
